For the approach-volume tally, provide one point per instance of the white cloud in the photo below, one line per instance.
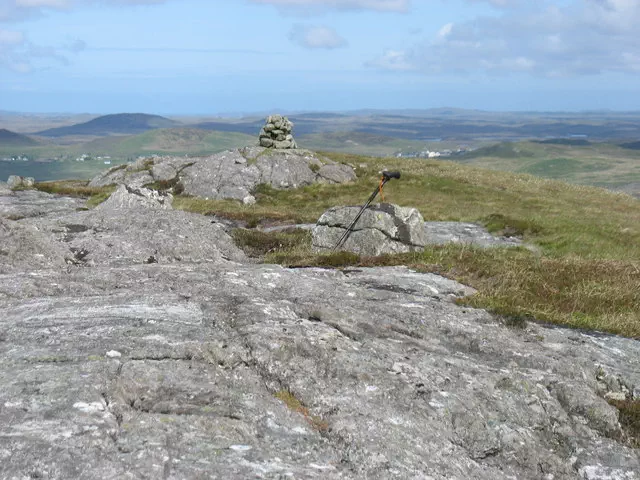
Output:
(316, 37)
(13, 10)
(42, 3)
(379, 5)
(19, 54)
(445, 30)
(394, 60)
(582, 37)
(8, 37)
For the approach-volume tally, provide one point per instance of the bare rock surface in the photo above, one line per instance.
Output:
(230, 174)
(213, 367)
(131, 197)
(440, 233)
(32, 203)
(4, 188)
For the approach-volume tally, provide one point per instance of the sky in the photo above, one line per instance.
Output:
(210, 57)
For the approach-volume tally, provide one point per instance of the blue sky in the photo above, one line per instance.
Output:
(215, 57)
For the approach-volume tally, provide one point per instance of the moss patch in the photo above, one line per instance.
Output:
(297, 406)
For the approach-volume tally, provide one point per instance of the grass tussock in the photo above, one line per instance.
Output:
(629, 417)
(256, 243)
(77, 188)
(296, 405)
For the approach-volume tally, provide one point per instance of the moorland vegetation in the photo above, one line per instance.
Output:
(579, 267)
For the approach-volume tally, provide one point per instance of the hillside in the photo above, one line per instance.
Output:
(180, 141)
(171, 353)
(115, 124)
(588, 163)
(12, 139)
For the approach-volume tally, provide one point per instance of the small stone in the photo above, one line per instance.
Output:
(113, 354)
(249, 200)
(240, 448)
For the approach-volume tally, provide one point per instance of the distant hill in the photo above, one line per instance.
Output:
(120, 123)
(565, 141)
(176, 141)
(501, 150)
(250, 127)
(12, 139)
(631, 145)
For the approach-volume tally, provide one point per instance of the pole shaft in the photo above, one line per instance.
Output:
(349, 230)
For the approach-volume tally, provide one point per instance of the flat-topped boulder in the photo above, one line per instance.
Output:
(231, 174)
(382, 228)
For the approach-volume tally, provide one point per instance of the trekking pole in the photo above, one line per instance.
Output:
(386, 176)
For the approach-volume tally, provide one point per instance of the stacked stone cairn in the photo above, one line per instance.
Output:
(276, 133)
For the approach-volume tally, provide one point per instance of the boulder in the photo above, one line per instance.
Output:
(16, 181)
(382, 228)
(130, 197)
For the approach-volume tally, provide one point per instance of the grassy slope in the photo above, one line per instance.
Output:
(601, 164)
(584, 271)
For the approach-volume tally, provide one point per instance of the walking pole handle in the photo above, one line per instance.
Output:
(389, 175)
(386, 176)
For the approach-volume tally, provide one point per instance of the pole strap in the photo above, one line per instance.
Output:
(382, 182)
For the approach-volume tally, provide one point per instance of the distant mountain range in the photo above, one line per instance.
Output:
(12, 139)
(461, 125)
(115, 124)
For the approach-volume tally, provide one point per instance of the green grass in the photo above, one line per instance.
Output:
(77, 188)
(583, 270)
(629, 419)
(601, 164)
(564, 167)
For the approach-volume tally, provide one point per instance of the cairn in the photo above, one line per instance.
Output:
(276, 133)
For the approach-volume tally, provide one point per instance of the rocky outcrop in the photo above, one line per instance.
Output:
(4, 189)
(231, 174)
(440, 233)
(277, 133)
(386, 228)
(131, 197)
(16, 181)
(382, 228)
(200, 363)
(32, 203)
